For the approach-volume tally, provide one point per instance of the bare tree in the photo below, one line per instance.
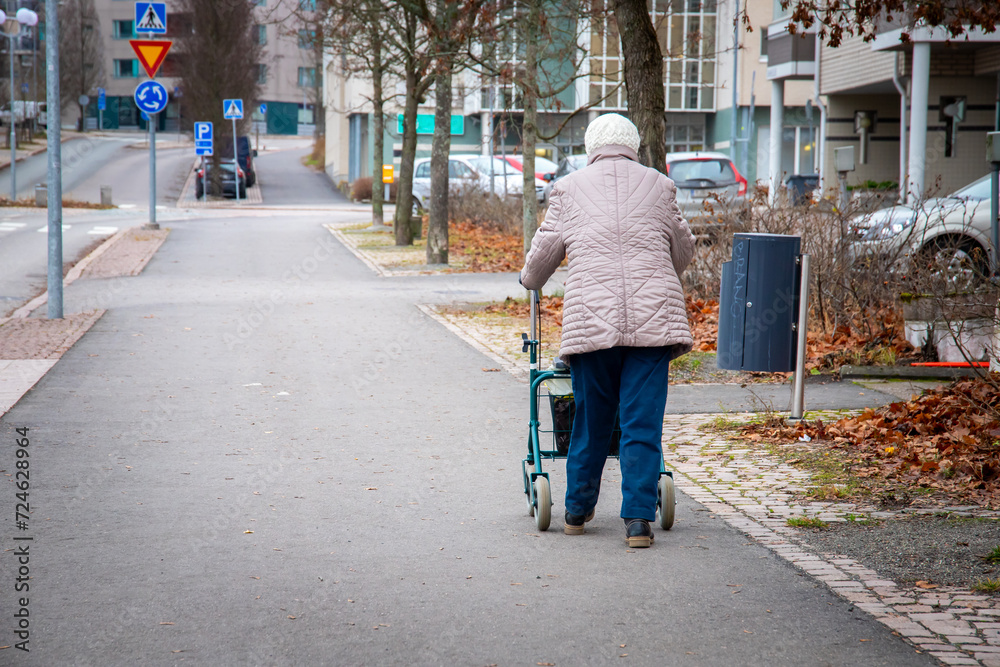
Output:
(354, 31)
(643, 64)
(535, 47)
(214, 60)
(449, 25)
(840, 18)
(81, 53)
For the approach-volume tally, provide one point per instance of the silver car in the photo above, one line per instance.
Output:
(472, 171)
(947, 234)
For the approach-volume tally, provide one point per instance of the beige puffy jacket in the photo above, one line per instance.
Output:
(627, 243)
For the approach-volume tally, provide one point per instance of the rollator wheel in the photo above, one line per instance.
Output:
(527, 497)
(666, 501)
(543, 503)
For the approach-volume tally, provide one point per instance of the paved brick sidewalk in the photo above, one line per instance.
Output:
(30, 346)
(755, 493)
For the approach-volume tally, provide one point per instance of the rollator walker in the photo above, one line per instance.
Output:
(555, 384)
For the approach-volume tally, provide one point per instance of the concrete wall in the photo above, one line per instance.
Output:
(852, 65)
(945, 174)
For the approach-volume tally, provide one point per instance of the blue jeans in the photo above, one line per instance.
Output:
(634, 381)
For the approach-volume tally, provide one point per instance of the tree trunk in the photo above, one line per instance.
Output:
(404, 187)
(378, 122)
(437, 226)
(643, 63)
(529, 87)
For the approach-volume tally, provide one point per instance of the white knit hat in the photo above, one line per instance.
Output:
(611, 128)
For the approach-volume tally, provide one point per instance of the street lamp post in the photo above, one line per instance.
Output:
(24, 16)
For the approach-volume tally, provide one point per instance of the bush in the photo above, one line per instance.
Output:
(361, 189)
(477, 206)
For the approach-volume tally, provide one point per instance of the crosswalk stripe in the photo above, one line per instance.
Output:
(103, 231)
(45, 229)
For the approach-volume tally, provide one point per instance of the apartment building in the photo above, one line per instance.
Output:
(696, 39)
(822, 98)
(287, 73)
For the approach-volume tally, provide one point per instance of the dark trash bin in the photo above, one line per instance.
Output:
(759, 304)
(800, 187)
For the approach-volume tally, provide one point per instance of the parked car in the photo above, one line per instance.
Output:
(545, 169)
(245, 152)
(469, 170)
(951, 234)
(567, 165)
(231, 174)
(704, 177)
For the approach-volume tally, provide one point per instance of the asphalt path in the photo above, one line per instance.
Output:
(24, 248)
(285, 181)
(262, 454)
(120, 161)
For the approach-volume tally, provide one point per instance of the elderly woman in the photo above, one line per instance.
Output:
(624, 317)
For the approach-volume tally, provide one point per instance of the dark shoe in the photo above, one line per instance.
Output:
(574, 523)
(638, 534)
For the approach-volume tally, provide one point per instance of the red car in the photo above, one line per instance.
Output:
(544, 169)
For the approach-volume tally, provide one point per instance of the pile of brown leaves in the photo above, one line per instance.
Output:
(483, 249)
(947, 440)
(823, 350)
(703, 315)
(549, 306)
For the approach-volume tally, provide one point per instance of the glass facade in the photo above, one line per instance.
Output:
(686, 31)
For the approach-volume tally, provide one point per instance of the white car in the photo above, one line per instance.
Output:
(470, 170)
(949, 234)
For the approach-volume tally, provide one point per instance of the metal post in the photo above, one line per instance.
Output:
(152, 170)
(777, 123)
(54, 141)
(799, 386)
(736, 99)
(236, 157)
(994, 214)
(13, 120)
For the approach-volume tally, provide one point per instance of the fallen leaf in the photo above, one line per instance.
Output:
(166, 623)
(247, 532)
(925, 585)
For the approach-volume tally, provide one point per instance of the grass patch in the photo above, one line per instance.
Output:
(993, 556)
(722, 424)
(988, 585)
(806, 522)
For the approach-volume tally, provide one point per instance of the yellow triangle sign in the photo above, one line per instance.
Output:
(151, 53)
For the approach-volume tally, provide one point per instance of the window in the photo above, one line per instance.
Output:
(686, 32)
(423, 170)
(458, 170)
(306, 39)
(122, 29)
(126, 68)
(260, 35)
(261, 73)
(307, 77)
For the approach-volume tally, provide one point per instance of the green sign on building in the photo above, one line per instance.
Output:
(425, 124)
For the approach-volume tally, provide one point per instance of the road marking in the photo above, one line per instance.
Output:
(11, 226)
(45, 229)
(103, 231)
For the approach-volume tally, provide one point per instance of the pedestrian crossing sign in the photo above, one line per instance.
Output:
(232, 109)
(151, 17)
